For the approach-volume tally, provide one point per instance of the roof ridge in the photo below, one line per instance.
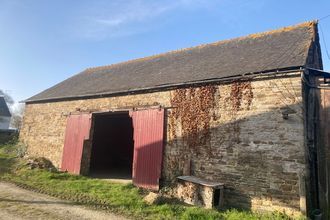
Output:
(310, 24)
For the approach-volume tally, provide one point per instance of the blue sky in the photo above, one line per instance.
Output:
(44, 42)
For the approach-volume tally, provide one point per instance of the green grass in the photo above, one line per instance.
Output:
(123, 199)
(8, 157)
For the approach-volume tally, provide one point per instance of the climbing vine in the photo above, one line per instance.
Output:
(193, 112)
(241, 90)
(193, 107)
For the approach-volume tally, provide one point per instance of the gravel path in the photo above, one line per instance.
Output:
(18, 204)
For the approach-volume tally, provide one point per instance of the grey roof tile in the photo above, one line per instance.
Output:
(282, 48)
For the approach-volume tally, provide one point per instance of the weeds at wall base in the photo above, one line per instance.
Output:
(122, 199)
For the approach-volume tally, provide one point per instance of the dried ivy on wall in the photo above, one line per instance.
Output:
(193, 107)
(194, 110)
(241, 91)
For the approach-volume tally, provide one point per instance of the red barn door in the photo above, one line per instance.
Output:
(77, 131)
(148, 135)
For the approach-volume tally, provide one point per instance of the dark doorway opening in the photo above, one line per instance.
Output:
(216, 198)
(112, 146)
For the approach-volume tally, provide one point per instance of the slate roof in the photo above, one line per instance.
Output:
(273, 50)
(4, 110)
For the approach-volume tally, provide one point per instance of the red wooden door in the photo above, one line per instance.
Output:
(148, 135)
(77, 131)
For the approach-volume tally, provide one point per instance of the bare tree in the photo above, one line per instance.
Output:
(8, 98)
(16, 110)
(17, 116)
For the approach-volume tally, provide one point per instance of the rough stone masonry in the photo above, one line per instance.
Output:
(232, 133)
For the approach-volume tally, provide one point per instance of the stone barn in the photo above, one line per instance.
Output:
(241, 114)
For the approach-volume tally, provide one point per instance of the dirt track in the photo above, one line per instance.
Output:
(17, 204)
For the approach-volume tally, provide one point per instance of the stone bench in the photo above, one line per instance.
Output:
(196, 191)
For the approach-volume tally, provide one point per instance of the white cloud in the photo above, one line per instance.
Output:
(120, 18)
(131, 12)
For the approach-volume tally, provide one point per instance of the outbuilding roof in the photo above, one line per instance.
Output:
(4, 110)
(273, 50)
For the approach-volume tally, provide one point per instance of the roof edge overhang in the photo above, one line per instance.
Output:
(164, 87)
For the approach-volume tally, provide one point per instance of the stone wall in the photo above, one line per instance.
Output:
(247, 145)
(43, 128)
(231, 133)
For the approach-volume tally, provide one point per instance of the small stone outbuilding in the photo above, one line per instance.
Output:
(243, 112)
